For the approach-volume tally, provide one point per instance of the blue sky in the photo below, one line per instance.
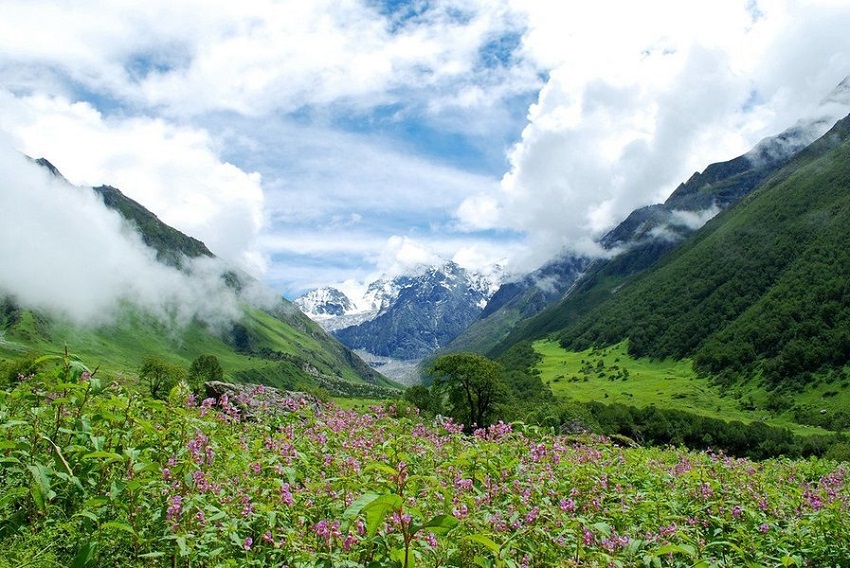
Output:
(328, 142)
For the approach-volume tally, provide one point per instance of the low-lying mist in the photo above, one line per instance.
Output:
(62, 251)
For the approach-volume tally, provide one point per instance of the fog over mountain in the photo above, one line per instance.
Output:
(65, 252)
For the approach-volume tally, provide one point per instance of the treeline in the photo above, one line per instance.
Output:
(475, 390)
(756, 440)
(767, 290)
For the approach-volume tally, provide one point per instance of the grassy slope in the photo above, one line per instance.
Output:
(119, 348)
(666, 383)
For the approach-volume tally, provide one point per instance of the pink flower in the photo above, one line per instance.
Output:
(248, 542)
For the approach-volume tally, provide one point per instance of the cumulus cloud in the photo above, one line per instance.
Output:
(308, 137)
(64, 252)
(635, 103)
(255, 56)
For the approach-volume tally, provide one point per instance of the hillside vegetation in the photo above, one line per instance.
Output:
(760, 291)
(269, 341)
(261, 348)
(764, 287)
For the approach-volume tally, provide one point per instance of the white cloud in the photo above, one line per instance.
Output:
(64, 252)
(251, 56)
(693, 220)
(179, 104)
(172, 170)
(636, 103)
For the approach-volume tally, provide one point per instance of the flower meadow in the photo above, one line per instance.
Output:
(92, 474)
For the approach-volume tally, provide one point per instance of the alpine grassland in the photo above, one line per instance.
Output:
(95, 474)
(612, 376)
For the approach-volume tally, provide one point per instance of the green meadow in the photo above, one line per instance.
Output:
(610, 375)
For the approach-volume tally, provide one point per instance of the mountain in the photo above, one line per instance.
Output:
(430, 310)
(648, 233)
(333, 310)
(270, 341)
(760, 290)
(324, 302)
(517, 300)
(404, 318)
(771, 293)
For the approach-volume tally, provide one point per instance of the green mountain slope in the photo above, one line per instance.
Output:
(276, 345)
(646, 235)
(762, 288)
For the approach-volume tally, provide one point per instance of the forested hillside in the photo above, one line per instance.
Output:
(764, 286)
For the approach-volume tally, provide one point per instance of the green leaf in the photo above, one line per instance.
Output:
(13, 495)
(108, 456)
(485, 541)
(382, 467)
(441, 524)
(355, 508)
(119, 527)
(685, 549)
(378, 509)
(181, 544)
(95, 502)
(89, 515)
(85, 556)
(41, 476)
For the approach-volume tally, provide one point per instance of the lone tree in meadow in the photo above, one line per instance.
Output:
(472, 386)
(204, 369)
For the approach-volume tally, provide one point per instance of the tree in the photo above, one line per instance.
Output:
(204, 369)
(421, 397)
(473, 386)
(160, 376)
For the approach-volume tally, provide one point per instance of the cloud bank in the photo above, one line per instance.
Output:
(641, 95)
(65, 253)
(304, 140)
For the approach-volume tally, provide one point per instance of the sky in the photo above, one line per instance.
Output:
(329, 142)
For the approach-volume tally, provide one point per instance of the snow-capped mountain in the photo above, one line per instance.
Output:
(407, 317)
(324, 302)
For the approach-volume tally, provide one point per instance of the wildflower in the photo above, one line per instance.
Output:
(248, 543)
(285, 494)
(764, 527)
(538, 452)
(173, 512)
(431, 539)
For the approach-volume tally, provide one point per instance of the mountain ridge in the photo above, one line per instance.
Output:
(271, 341)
